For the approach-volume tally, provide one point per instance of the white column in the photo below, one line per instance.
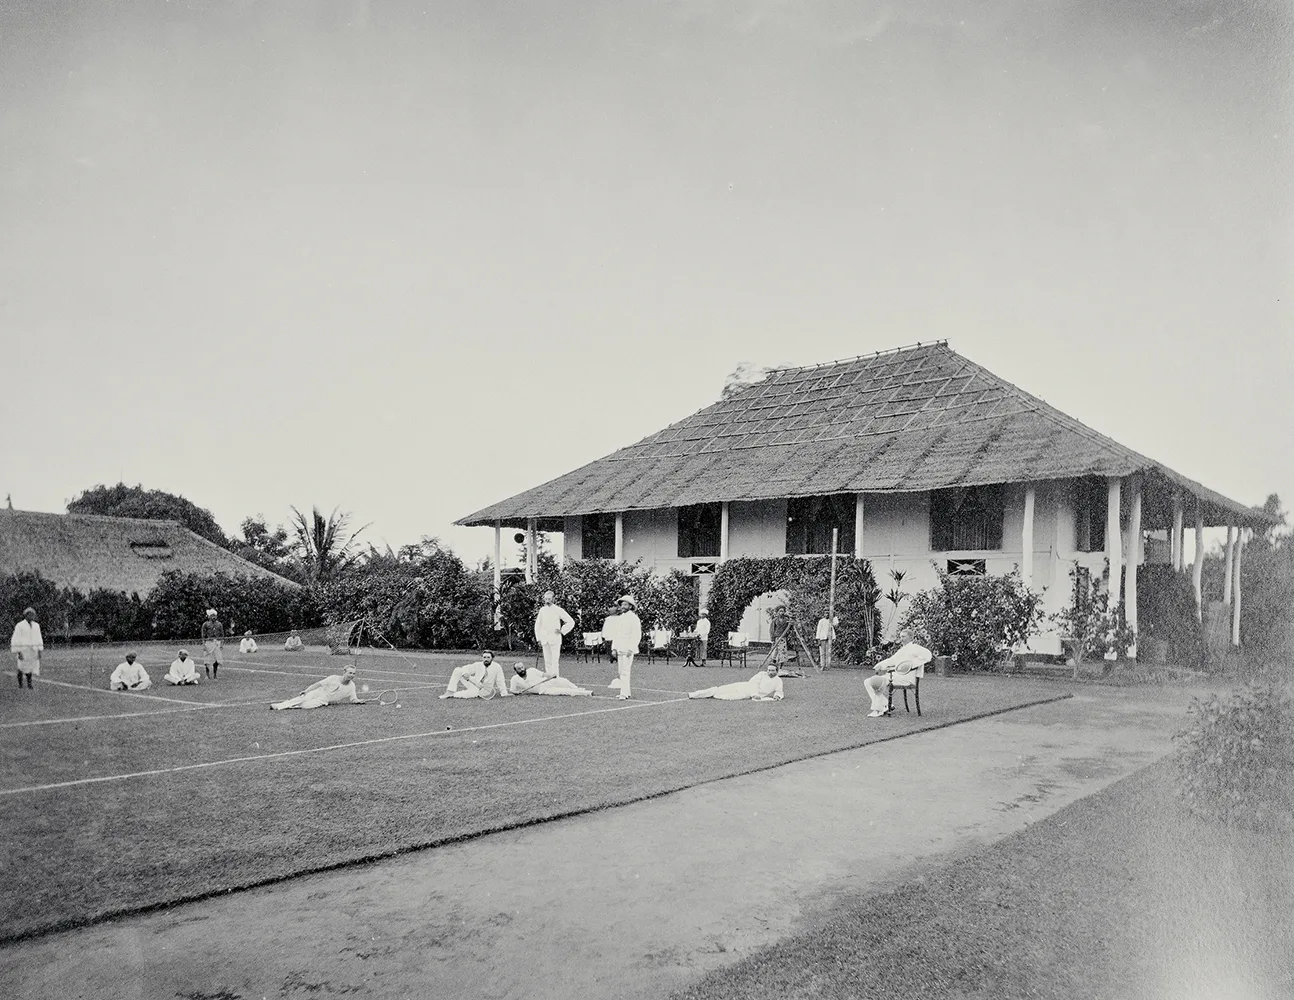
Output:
(1134, 558)
(620, 536)
(531, 562)
(723, 531)
(1114, 539)
(1235, 588)
(1026, 536)
(858, 526)
(498, 573)
(1226, 575)
(1197, 569)
(1175, 537)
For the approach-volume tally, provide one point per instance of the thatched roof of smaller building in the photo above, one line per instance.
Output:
(124, 554)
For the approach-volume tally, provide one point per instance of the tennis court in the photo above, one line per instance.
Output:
(116, 802)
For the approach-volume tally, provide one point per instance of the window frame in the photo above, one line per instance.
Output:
(987, 503)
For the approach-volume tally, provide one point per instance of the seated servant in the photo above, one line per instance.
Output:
(248, 645)
(294, 642)
(332, 690)
(183, 670)
(908, 658)
(129, 676)
(535, 681)
(479, 680)
(764, 686)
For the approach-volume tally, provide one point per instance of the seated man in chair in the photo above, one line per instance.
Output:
(909, 657)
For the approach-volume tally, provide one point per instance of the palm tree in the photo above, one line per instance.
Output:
(327, 549)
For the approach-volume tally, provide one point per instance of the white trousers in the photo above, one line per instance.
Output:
(317, 700)
(179, 680)
(144, 686)
(626, 663)
(552, 653)
(493, 679)
(30, 662)
(740, 691)
(876, 690)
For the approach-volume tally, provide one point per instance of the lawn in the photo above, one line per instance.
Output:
(1120, 895)
(114, 803)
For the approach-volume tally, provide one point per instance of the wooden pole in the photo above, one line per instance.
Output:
(530, 550)
(498, 575)
(723, 531)
(1197, 569)
(1230, 556)
(1026, 536)
(1175, 543)
(620, 536)
(1134, 560)
(1114, 539)
(1235, 588)
(831, 594)
(858, 526)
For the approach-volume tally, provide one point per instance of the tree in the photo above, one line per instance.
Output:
(269, 547)
(326, 547)
(154, 505)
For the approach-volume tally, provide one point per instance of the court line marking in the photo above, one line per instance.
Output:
(76, 782)
(190, 707)
(120, 694)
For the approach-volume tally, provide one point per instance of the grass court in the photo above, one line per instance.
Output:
(115, 803)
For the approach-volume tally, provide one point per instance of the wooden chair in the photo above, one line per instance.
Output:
(661, 640)
(904, 681)
(590, 644)
(736, 648)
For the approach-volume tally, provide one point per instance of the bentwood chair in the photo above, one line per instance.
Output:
(590, 644)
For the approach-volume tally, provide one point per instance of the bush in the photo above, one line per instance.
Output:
(1236, 760)
(1167, 610)
(1089, 620)
(179, 602)
(975, 618)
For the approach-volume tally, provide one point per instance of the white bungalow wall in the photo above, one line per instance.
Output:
(896, 536)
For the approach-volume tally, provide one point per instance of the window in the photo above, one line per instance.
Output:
(966, 519)
(699, 528)
(967, 567)
(809, 521)
(1091, 503)
(152, 550)
(598, 536)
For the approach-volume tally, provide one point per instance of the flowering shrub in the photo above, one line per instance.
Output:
(1236, 761)
(975, 618)
(1095, 627)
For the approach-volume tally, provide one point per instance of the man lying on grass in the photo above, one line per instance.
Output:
(183, 670)
(481, 679)
(331, 690)
(909, 657)
(535, 681)
(764, 686)
(129, 676)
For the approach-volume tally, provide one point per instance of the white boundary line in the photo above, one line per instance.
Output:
(324, 749)
(132, 694)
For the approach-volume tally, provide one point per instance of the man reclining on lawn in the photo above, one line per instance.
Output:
(764, 686)
(480, 679)
(909, 657)
(331, 690)
(129, 676)
(182, 670)
(535, 681)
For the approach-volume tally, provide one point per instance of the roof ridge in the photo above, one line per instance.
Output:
(860, 357)
(100, 517)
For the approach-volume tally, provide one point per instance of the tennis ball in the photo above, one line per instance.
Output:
(364, 688)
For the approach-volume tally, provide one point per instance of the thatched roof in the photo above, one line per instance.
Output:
(914, 419)
(123, 554)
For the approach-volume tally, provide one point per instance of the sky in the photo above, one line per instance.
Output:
(410, 258)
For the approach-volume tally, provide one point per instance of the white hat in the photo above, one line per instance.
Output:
(211, 612)
(705, 613)
(184, 652)
(628, 599)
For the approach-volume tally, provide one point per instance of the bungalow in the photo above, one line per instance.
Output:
(917, 458)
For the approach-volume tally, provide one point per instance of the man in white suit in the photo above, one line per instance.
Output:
(551, 624)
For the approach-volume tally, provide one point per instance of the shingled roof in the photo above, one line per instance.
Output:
(914, 419)
(124, 554)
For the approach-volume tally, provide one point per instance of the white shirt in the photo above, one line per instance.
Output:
(907, 659)
(183, 670)
(129, 674)
(248, 645)
(552, 623)
(625, 631)
(26, 635)
(766, 688)
(702, 628)
(825, 630)
(533, 680)
(334, 688)
(294, 642)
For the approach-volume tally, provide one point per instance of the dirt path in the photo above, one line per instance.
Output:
(631, 902)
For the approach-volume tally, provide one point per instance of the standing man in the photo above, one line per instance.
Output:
(826, 636)
(625, 635)
(702, 638)
(213, 635)
(551, 624)
(26, 645)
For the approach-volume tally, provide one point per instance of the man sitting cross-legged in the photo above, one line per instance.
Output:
(764, 686)
(183, 670)
(129, 676)
(331, 690)
(535, 681)
(909, 657)
(293, 643)
(478, 680)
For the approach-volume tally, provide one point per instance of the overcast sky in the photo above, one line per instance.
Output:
(412, 258)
